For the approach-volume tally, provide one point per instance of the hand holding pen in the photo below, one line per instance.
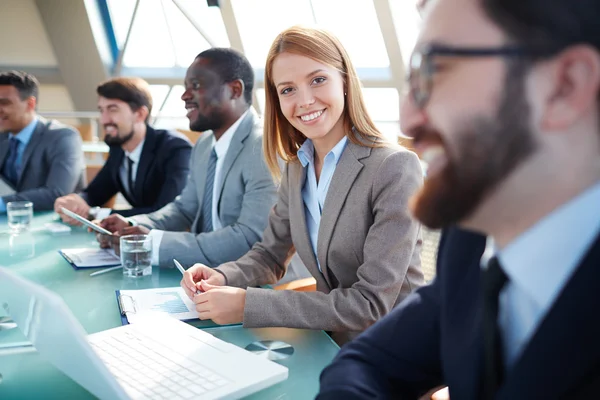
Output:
(195, 275)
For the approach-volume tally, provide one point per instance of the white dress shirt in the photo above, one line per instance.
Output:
(135, 156)
(539, 263)
(221, 147)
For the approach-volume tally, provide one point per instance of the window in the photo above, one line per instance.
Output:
(407, 22)
(260, 21)
(162, 35)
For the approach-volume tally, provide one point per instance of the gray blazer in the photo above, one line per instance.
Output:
(52, 165)
(368, 247)
(247, 193)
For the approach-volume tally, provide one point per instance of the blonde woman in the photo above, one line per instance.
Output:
(342, 204)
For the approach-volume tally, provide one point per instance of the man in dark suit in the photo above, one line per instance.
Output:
(40, 160)
(148, 166)
(504, 108)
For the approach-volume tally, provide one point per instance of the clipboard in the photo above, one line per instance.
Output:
(129, 305)
(75, 266)
(126, 304)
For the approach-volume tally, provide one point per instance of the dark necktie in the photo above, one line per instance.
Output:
(10, 166)
(494, 280)
(207, 222)
(130, 175)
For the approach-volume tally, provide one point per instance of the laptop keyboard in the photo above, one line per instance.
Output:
(148, 369)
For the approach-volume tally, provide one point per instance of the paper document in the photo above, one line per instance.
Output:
(166, 301)
(5, 188)
(91, 258)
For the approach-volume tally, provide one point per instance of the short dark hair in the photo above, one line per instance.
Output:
(231, 65)
(547, 24)
(26, 84)
(133, 91)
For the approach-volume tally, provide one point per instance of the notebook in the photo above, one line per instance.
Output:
(90, 258)
(158, 357)
(171, 301)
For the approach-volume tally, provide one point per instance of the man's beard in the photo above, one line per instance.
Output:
(208, 123)
(118, 140)
(486, 153)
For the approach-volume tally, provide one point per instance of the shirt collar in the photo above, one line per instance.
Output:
(542, 259)
(136, 153)
(306, 152)
(25, 134)
(222, 145)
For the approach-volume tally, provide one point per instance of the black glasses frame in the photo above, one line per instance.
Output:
(421, 68)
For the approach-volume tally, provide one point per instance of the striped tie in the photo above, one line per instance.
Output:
(207, 222)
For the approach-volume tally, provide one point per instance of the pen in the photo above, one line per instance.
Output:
(180, 268)
(105, 270)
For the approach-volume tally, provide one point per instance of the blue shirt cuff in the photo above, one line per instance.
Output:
(2, 205)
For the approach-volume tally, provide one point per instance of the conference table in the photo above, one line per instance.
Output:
(24, 374)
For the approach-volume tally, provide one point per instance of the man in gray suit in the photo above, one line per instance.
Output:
(41, 160)
(224, 207)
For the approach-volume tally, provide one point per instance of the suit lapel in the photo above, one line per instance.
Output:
(199, 173)
(4, 144)
(298, 218)
(565, 345)
(235, 147)
(36, 137)
(343, 178)
(145, 161)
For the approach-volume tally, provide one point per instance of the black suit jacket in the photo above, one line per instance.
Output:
(435, 337)
(160, 177)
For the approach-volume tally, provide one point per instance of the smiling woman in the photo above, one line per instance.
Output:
(342, 203)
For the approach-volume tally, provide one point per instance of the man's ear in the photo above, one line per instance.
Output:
(236, 89)
(575, 84)
(141, 114)
(31, 103)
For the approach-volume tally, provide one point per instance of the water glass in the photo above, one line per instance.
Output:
(20, 214)
(136, 255)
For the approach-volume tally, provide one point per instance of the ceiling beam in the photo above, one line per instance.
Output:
(44, 75)
(390, 38)
(79, 61)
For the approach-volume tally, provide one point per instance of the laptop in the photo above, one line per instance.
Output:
(158, 357)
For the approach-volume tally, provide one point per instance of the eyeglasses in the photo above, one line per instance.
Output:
(422, 68)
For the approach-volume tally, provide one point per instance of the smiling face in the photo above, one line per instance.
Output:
(15, 113)
(205, 97)
(311, 96)
(474, 130)
(118, 120)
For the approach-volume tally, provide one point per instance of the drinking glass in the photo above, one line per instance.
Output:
(20, 214)
(136, 255)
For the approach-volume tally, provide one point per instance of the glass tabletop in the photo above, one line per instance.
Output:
(34, 255)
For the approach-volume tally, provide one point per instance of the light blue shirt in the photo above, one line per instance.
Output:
(314, 194)
(23, 137)
(539, 263)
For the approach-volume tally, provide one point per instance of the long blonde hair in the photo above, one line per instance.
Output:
(280, 137)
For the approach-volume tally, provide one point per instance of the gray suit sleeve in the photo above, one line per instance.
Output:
(226, 244)
(65, 168)
(388, 250)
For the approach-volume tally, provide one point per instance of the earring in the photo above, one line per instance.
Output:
(345, 93)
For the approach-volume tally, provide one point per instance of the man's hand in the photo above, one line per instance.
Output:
(114, 223)
(223, 304)
(199, 272)
(72, 202)
(114, 241)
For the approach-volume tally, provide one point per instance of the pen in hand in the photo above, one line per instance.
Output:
(180, 268)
